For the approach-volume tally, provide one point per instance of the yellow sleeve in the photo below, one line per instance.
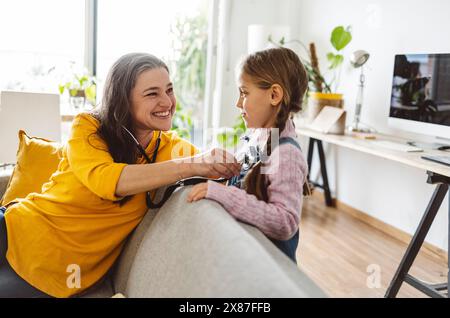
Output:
(90, 160)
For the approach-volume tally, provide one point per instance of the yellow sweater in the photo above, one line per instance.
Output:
(73, 229)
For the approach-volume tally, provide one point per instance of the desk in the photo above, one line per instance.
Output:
(438, 174)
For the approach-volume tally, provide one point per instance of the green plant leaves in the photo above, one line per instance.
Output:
(335, 60)
(90, 93)
(61, 88)
(340, 37)
(230, 137)
(182, 121)
(81, 83)
(73, 92)
(189, 39)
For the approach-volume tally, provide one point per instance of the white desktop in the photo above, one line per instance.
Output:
(420, 100)
(420, 94)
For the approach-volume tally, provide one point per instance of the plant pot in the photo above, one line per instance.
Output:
(317, 101)
(78, 100)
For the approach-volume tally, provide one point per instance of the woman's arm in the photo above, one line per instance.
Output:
(95, 168)
(138, 178)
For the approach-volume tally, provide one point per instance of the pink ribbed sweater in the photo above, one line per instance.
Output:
(279, 217)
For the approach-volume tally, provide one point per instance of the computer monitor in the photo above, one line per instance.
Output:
(420, 95)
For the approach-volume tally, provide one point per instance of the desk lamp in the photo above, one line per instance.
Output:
(358, 59)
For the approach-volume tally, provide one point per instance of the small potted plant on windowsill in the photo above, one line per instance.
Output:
(82, 91)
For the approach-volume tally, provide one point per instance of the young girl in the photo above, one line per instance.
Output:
(268, 195)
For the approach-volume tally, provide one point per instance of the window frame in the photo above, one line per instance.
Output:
(91, 30)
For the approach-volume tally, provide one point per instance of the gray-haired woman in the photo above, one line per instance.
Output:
(63, 240)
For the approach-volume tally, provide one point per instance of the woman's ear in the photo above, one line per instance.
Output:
(276, 94)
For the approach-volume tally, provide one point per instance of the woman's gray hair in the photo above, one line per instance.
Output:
(114, 111)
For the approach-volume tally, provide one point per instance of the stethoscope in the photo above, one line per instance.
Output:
(150, 204)
(141, 149)
(170, 189)
(250, 157)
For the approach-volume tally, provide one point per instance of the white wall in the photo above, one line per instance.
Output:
(389, 191)
(244, 13)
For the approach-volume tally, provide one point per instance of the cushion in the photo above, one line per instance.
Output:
(37, 159)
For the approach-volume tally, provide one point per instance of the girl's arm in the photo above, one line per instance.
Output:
(279, 217)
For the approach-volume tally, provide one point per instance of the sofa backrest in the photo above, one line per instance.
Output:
(199, 250)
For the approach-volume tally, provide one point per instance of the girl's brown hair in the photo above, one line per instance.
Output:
(265, 68)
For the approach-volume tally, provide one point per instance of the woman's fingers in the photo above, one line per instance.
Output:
(219, 161)
(223, 170)
(236, 167)
(232, 169)
(222, 156)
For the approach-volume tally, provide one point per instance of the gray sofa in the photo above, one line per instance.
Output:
(199, 250)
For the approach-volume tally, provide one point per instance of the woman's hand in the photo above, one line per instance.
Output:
(198, 192)
(216, 163)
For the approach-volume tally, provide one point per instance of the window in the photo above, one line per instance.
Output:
(41, 41)
(173, 30)
(43, 45)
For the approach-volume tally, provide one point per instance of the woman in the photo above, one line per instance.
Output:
(63, 240)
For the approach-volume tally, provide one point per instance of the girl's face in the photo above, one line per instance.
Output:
(153, 101)
(259, 107)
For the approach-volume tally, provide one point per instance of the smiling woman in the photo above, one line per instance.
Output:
(97, 196)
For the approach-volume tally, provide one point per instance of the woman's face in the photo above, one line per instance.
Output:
(256, 104)
(153, 101)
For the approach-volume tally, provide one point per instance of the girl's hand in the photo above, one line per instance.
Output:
(198, 192)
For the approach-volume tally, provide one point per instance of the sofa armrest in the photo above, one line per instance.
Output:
(5, 175)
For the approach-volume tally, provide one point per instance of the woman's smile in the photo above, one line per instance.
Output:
(162, 114)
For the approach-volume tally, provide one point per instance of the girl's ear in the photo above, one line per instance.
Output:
(276, 95)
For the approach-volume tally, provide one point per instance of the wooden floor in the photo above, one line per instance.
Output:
(345, 256)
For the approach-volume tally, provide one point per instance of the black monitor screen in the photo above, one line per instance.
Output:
(421, 88)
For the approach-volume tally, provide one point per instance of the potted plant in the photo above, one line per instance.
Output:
(322, 92)
(81, 89)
